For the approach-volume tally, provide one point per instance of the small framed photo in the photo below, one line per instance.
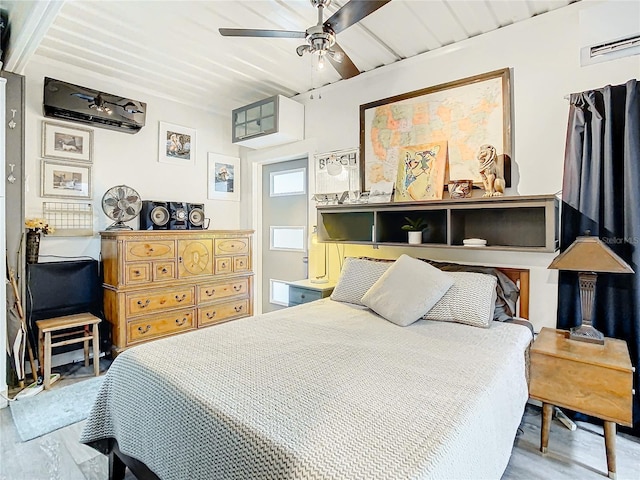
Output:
(176, 145)
(65, 180)
(223, 177)
(69, 143)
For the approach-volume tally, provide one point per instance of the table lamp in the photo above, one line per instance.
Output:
(321, 258)
(589, 256)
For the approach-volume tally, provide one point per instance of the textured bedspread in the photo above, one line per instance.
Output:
(321, 391)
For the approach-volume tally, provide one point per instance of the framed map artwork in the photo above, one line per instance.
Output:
(465, 114)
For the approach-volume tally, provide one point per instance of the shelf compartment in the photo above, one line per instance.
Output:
(346, 226)
(512, 227)
(389, 225)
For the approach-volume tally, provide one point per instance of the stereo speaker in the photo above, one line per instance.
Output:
(154, 215)
(195, 216)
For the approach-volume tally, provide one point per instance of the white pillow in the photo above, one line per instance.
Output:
(407, 290)
(471, 300)
(356, 278)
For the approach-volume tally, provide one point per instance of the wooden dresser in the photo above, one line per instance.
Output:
(159, 283)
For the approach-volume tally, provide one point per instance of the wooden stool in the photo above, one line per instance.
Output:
(51, 325)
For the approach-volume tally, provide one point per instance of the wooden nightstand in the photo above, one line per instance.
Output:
(303, 291)
(588, 378)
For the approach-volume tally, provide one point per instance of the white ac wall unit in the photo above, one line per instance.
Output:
(608, 31)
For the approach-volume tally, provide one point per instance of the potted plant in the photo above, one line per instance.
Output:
(415, 227)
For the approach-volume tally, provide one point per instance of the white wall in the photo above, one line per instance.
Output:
(543, 54)
(122, 158)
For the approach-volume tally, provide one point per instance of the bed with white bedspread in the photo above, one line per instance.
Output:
(325, 390)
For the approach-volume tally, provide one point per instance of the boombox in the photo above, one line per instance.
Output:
(171, 216)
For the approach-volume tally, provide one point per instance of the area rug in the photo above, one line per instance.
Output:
(54, 409)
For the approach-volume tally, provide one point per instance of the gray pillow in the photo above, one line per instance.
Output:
(470, 300)
(407, 290)
(356, 278)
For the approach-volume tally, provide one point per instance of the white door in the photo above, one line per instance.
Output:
(285, 204)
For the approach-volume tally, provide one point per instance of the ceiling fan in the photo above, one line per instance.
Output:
(321, 38)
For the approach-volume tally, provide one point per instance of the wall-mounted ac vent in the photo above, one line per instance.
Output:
(611, 47)
(609, 31)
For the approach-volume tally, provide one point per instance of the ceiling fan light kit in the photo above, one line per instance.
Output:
(321, 38)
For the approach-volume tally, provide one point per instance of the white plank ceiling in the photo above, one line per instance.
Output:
(172, 49)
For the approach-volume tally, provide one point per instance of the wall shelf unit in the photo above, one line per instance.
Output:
(520, 223)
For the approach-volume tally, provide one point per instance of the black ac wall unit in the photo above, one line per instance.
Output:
(79, 104)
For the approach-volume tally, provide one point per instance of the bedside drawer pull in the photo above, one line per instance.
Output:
(180, 259)
(237, 288)
(210, 315)
(210, 293)
(181, 322)
(145, 304)
(302, 296)
(224, 265)
(142, 331)
(238, 308)
(136, 273)
(164, 270)
(181, 299)
(241, 263)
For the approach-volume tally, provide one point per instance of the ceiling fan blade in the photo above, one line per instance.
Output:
(352, 12)
(345, 67)
(247, 32)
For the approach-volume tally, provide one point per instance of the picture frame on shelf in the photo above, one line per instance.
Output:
(61, 141)
(465, 113)
(65, 180)
(176, 144)
(223, 177)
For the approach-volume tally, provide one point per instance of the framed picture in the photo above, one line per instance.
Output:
(65, 180)
(421, 172)
(71, 143)
(223, 177)
(337, 172)
(176, 145)
(466, 114)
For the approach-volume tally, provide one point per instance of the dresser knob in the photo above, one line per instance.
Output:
(164, 270)
(136, 273)
(145, 304)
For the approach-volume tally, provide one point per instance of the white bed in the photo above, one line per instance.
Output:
(326, 390)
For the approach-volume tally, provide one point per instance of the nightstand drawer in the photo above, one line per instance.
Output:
(587, 388)
(593, 379)
(299, 295)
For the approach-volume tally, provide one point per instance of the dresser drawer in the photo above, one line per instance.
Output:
(157, 249)
(231, 246)
(241, 263)
(223, 265)
(164, 270)
(160, 325)
(153, 300)
(223, 311)
(137, 273)
(215, 291)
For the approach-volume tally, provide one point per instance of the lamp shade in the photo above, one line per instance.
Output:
(590, 254)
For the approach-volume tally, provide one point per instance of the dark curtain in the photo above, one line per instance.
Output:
(601, 194)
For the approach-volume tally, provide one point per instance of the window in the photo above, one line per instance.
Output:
(288, 238)
(289, 182)
(278, 292)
